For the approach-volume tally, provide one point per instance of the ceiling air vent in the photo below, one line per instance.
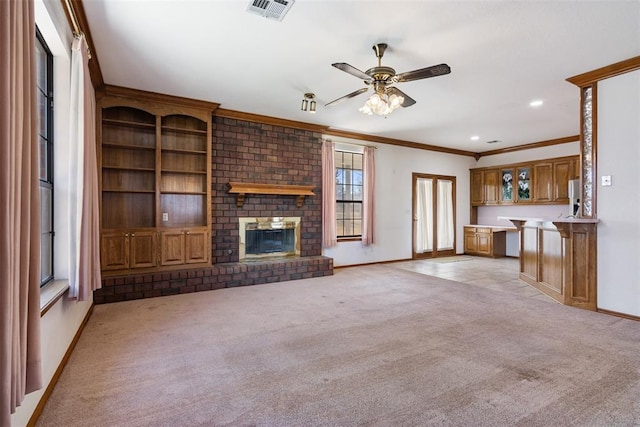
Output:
(271, 9)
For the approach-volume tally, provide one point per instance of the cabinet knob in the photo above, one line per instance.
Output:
(126, 234)
(133, 234)
(187, 232)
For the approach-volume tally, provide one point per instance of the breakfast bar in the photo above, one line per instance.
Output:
(558, 257)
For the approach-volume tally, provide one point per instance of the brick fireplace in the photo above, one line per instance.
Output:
(245, 151)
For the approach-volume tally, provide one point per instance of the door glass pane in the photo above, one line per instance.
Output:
(524, 177)
(444, 217)
(424, 215)
(507, 185)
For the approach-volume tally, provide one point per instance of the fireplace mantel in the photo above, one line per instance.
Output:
(242, 188)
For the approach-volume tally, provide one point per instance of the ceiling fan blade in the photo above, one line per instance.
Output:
(423, 73)
(351, 95)
(351, 70)
(408, 101)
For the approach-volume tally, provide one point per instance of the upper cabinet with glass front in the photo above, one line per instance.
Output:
(537, 182)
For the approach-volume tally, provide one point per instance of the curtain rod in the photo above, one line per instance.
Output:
(351, 143)
(77, 31)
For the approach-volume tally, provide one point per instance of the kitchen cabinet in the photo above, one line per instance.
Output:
(536, 182)
(485, 187)
(563, 172)
(543, 182)
(485, 241)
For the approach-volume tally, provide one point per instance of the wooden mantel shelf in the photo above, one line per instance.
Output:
(242, 188)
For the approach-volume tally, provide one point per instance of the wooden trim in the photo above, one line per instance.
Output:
(135, 94)
(435, 253)
(617, 314)
(94, 65)
(54, 380)
(373, 263)
(528, 163)
(397, 142)
(539, 144)
(611, 70)
(349, 239)
(241, 189)
(267, 120)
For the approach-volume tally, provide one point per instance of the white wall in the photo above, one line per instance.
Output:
(618, 206)
(560, 150)
(393, 220)
(60, 324)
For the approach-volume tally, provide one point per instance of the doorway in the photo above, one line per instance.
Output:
(434, 216)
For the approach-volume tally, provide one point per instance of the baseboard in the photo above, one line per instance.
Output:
(372, 263)
(615, 313)
(54, 380)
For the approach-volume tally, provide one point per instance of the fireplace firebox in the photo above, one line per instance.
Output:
(269, 237)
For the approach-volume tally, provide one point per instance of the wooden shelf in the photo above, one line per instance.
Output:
(107, 190)
(182, 150)
(191, 193)
(126, 168)
(126, 123)
(184, 172)
(128, 147)
(241, 189)
(184, 131)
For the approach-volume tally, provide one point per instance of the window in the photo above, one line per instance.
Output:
(44, 82)
(348, 194)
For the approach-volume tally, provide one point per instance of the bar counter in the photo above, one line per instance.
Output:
(558, 257)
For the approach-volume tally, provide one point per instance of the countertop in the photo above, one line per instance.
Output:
(554, 220)
(495, 228)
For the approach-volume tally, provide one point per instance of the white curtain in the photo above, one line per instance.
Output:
(445, 214)
(20, 361)
(368, 196)
(424, 215)
(329, 234)
(84, 268)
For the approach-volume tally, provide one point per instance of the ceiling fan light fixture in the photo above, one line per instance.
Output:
(309, 103)
(381, 104)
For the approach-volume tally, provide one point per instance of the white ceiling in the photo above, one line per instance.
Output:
(503, 54)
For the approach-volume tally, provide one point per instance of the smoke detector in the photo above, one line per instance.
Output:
(270, 9)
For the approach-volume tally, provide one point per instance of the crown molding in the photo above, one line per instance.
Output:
(606, 72)
(397, 142)
(539, 144)
(268, 120)
(156, 97)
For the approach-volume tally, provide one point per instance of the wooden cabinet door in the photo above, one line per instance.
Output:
(196, 246)
(114, 250)
(470, 243)
(477, 188)
(563, 171)
(543, 182)
(491, 186)
(484, 243)
(172, 247)
(142, 249)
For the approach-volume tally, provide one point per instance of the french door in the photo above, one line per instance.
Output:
(434, 216)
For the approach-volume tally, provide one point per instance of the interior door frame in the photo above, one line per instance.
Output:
(435, 253)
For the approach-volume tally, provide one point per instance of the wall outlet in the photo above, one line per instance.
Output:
(606, 180)
(165, 216)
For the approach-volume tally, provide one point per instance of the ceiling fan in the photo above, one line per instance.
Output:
(386, 97)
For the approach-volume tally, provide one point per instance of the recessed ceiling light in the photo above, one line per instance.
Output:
(536, 103)
(475, 138)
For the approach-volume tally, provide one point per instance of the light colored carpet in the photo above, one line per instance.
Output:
(374, 345)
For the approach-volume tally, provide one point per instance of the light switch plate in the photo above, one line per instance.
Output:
(165, 216)
(606, 180)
